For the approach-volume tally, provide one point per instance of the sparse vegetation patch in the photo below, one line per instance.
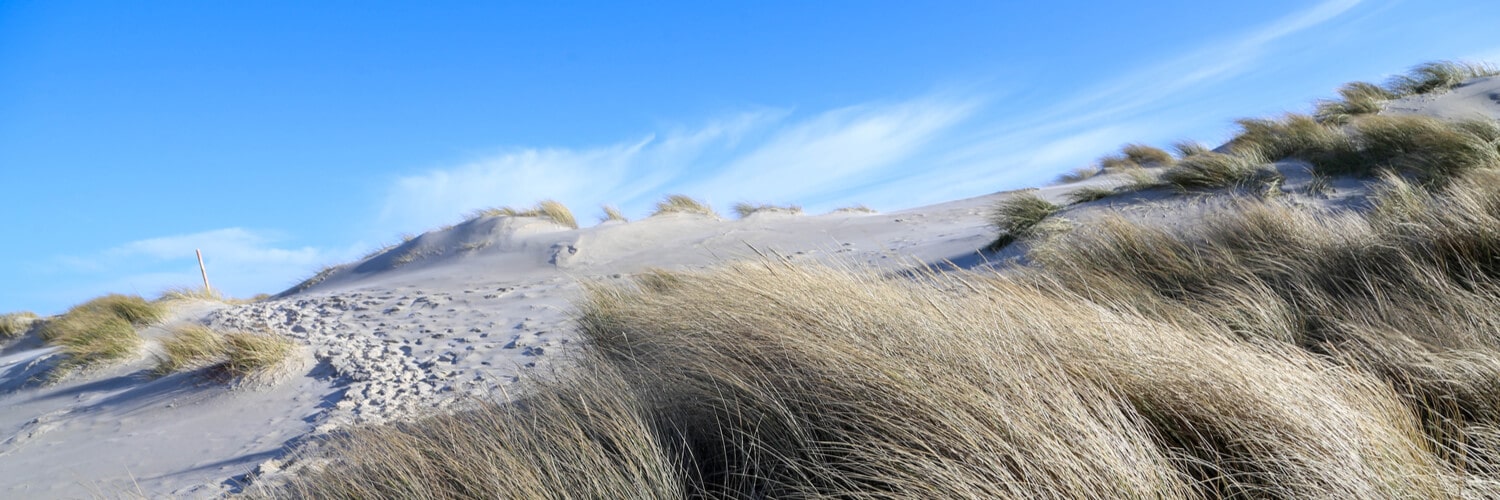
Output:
(682, 204)
(745, 209)
(15, 324)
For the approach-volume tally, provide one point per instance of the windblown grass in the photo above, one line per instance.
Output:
(191, 293)
(254, 354)
(1355, 99)
(1217, 171)
(15, 324)
(188, 347)
(854, 209)
(1018, 216)
(1136, 156)
(1291, 136)
(1410, 295)
(552, 210)
(769, 380)
(1438, 76)
(1088, 194)
(1080, 173)
(613, 214)
(1429, 149)
(131, 308)
(1188, 148)
(745, 209)
(90, 338)
(238, 355)
(682, 204)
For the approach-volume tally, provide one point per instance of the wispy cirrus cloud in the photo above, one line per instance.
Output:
(240, 262)
(890, 154)
(770, 155)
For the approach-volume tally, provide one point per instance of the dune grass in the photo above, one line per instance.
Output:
(1079, 174)
(188, 347)
(15, 324)
(1136, 156)
(191, 293)
(1186, 148)
(1017, 217)
(682, 204)
(253, 354)
(612, 214)
(746, 209)
(238, 355)
(768, 380)
(1088, 194)
(1438, 76)
(854, 209)
(99, 331)
(1429, 149)
(1355, 99)
(552, 210)
(1208, 171)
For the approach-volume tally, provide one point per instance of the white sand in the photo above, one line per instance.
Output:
(462, 312)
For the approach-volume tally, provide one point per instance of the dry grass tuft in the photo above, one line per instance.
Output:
(1355, 99)
(613, 214)
(131, 308)
(682, 204)
(318, 277)
(1438, 76)
(1136, 156)
(1217, 171)
(191, 293)
(240, 355)
(1080, 173)
(1188, 148)
(16, 324)
(1088, 194)
(854, 209)
(552, 210)
(249, 355)
(90, 338)
(189, 347)
(745, 209)
(1426, 148)
(1017, 216)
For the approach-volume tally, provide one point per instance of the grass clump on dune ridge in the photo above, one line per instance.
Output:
(1438, 76)
(1136, 156)
(188, 347)
(682, 204)
(1427, 148)
(1355, 99)
(252, 354)
(854, 209)
(1018, 216)
(1080, 173)
(552, 210)
(15, 324)
(1216, 171)
(192, 293)
(100, 331)
(612, 214)
(234, 354)
(1088, 194)
(746, 209)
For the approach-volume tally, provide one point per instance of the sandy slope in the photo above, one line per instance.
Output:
(462, 312)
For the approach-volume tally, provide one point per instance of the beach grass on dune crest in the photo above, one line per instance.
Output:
(746, 209)
(612, 214)
(234, 354)
(683, 204)
(192, 293)
(100, 331)
(552, 210)
(15, 324)
(1018, 215)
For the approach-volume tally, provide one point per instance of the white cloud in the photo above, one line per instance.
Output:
(239, 261)
(765, 155)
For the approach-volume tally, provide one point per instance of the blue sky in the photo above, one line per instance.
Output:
(283, 136)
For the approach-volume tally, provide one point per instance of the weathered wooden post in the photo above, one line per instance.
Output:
(203, 270)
